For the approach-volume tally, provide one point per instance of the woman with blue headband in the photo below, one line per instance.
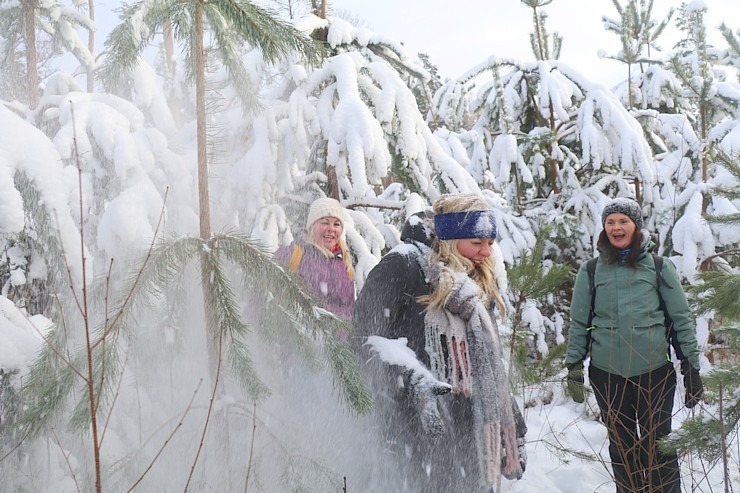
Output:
(449, 420)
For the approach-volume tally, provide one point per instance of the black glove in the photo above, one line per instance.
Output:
(423, 392)
(463, 299)
(693, 384)
(575, 387)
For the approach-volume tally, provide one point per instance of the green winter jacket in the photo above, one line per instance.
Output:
(629, 335)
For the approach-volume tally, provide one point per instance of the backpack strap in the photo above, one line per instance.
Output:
(670, 330)
(295, 258)
(659, 273)
(591, 269)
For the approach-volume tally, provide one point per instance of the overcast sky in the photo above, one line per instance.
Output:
(461, 34)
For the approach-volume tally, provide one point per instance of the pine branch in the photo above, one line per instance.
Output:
(348, 381)
(50, 381)
(718, 293)
(240, 361)
(262, 28)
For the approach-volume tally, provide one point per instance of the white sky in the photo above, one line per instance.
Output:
(459, 35)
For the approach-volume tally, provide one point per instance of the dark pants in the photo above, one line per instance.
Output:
(637, 413)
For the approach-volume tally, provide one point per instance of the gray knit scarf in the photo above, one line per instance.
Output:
(477, 358)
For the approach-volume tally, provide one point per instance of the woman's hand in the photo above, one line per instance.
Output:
(423, 392)
(575, 382)
(463, 299)
(692, 382)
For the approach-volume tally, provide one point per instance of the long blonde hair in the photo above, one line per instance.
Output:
(314, 240)
(445, 251)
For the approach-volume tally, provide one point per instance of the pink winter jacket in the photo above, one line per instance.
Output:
(327, 276)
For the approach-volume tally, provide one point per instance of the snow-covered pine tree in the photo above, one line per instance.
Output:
(710, 436)
(688, 108)
(715, 103)
(732, 55)
(19, 22)
(638, 32)
(350, 128)
(545, 133)
(543, 46)
(536, 281)
(231, 24)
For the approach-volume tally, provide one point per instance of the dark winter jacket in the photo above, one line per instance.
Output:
(380, 310)
(629, 334)
(327, 276)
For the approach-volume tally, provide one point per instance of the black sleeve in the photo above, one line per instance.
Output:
(381, 300)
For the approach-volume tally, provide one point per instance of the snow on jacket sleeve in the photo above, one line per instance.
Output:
(679, 311)
(580, 306)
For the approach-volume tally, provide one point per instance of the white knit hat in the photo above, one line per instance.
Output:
(325, 207)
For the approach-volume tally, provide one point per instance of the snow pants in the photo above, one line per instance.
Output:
(637, 412)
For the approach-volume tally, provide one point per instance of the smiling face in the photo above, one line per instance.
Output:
(327, 231)
(619, 229)
(475, 249)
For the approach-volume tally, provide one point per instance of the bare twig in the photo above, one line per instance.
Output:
(210, 410)
(90, 380)
(103, 354)
(121, 310)
(15, 447)
(723, 437)
(66, 459)
(251, 445)
(115, 398)
(167, 441)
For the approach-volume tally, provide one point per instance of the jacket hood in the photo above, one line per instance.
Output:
(418, 228)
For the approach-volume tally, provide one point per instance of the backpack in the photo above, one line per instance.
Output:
(295, 258)
(670, 331)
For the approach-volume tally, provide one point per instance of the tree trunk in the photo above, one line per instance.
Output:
(32, 74)
(200, 116)
(91, 47)
(333, 182)
(169, 63)
(318, 8)
(554, 168)
(703, 116)
(211, 328)
(638, 191)
(538, 36)
(629, 86)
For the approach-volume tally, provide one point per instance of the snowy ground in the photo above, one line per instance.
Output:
(562, 431)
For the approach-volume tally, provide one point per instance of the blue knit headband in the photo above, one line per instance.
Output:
(468, 224)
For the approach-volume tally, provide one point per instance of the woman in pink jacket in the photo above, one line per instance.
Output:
(322, 258)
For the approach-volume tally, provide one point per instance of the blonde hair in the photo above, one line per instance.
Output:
(314, 240)
(445, 251)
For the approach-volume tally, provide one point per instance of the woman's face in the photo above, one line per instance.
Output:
(475, 249)
(619, 229)
(327, 231)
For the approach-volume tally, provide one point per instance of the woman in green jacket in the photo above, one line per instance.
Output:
(630, 370)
